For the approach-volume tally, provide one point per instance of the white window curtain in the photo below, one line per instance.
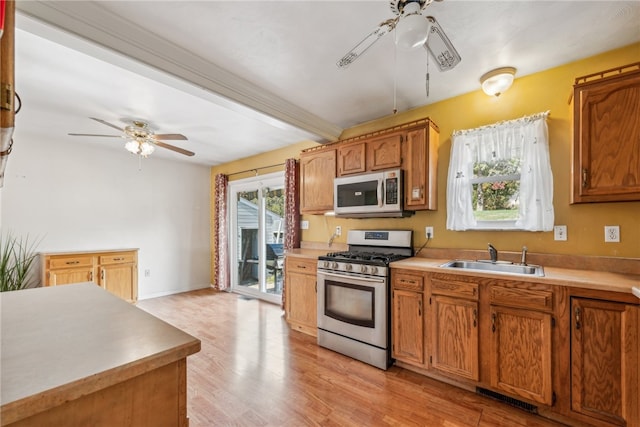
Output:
(526, 138)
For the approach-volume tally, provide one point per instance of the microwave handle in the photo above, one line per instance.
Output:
(381, 192)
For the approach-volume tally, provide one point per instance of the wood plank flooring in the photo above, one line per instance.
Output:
(253, 371)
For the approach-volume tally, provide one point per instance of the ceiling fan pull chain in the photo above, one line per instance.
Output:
(395, 75)
(427, 80)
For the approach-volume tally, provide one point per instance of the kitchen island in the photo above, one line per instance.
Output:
(75, 355)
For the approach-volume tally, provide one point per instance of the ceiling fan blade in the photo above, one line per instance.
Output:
(93, 134)
(107, 123)
(440, 47)
(170, 136)
(174, 148)
(384, 28)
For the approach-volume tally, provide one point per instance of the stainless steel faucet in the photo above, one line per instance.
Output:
(493, 253)
(523, 260)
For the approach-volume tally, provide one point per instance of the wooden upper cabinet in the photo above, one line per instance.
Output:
(606, 149)
(352, 158)
(420, 169)
(604, 361)
(385, 152)
(317, 171)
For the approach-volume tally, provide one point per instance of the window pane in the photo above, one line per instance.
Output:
(496, 193)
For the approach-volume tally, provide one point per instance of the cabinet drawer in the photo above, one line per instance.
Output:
(119, 258)
(70, 262)
(455, 289)
(525, 298)
(411, 282)
(301, 265)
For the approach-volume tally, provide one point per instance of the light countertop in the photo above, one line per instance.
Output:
(63, 342)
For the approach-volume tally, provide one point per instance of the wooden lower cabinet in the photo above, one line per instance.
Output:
(454, 327)
(115, 271)
(301, 299)
(407, 318)
(605, 360)
(521, 353)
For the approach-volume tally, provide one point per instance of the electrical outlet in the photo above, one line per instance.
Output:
(147, 273)
(304, 225)
(560, 232)
(611, 233)
(428, 232)
(338, 230)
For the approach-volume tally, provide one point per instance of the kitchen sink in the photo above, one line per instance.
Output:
(496, 267)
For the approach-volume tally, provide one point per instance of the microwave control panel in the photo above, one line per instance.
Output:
(391, 191)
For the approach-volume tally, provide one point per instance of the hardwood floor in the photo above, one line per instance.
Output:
(253, 371)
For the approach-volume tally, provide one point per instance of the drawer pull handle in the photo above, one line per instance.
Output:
(119, 259)
(493, 322)
(72, 262)
(577, 311)
(419, 307)
(584, 178)
(301, 266)
(91, 276)
(475, 317)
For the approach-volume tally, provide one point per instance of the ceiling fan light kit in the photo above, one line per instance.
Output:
(140, 147)
(412, 30)
(496, 82)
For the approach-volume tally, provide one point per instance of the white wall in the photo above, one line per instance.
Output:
(81, 196)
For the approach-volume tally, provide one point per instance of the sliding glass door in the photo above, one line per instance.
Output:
(257, 236)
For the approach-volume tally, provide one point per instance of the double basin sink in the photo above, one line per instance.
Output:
(496, 267)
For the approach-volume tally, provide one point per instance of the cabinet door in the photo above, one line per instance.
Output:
(604, 360)
(420, 166)
(70, 275)
(351, 158)
(317, 171)
(455, 336)
(407, 326)
(302, 301)
(607, 139)
(385, 152)
(119, 279)
(521, 353)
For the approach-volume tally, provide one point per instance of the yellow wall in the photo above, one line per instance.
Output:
(547, 90)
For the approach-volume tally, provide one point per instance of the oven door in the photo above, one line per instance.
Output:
(354, 306)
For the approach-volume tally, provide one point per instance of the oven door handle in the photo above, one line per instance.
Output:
(358, 278)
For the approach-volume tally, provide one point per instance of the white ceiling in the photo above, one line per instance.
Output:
(240, 78)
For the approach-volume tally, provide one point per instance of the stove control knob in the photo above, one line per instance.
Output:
(374, 270)
(334, 265)
(348, 267)
(325, 264)
(363, 269)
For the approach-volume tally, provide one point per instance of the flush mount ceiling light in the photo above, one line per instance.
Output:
(497, 81)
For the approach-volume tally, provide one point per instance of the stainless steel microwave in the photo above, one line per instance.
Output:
(374, 194)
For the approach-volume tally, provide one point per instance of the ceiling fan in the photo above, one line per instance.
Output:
(412, 30)
(141, 139)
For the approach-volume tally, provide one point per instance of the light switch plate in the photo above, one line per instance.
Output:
(304, 225)
(560, 232)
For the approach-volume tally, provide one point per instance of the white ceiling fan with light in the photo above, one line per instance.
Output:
(412, 30)
(140, 138)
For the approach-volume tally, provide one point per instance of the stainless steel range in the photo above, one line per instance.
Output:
(354, 297)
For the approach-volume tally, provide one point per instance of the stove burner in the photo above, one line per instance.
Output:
(374, 257)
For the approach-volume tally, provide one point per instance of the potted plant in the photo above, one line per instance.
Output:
(16, 259)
